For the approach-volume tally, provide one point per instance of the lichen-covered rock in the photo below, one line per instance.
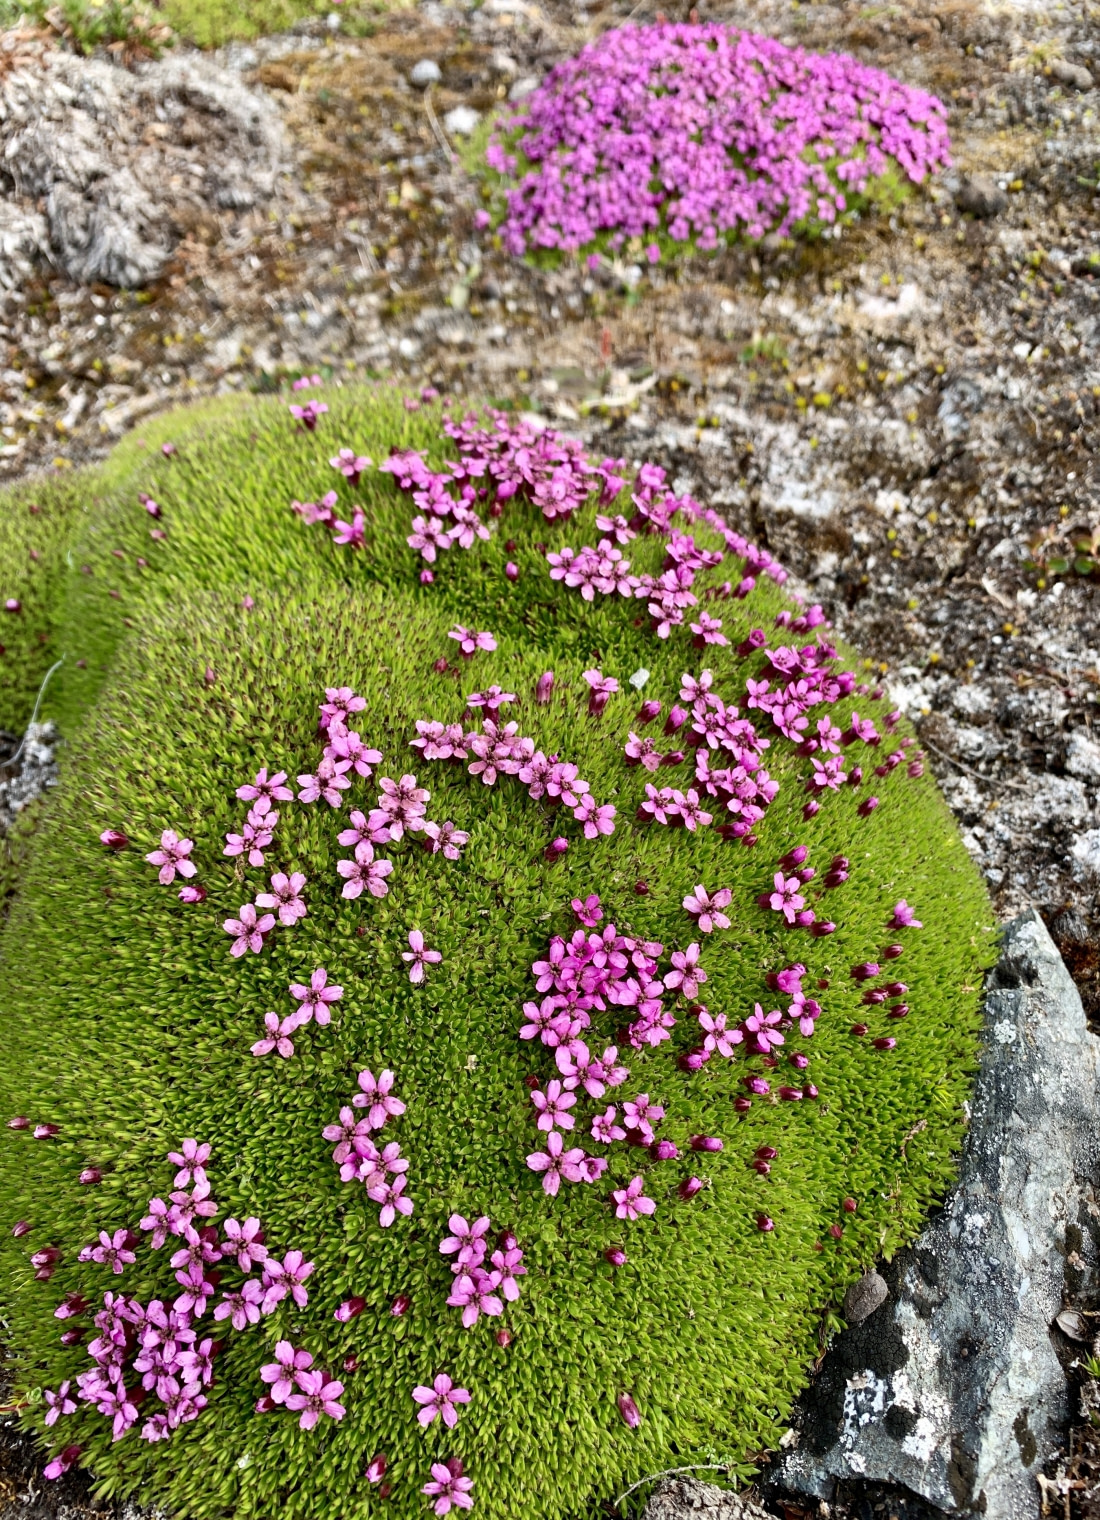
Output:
(681, 1498)
(954, 1387)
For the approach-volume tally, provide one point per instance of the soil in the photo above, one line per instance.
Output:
(906, 414)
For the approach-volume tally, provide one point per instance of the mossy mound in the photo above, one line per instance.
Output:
(128, 1024)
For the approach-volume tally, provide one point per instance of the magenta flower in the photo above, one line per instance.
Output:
(686, 975)
(474, 1293)
(283, 1372)
(248, 930)
(589, 911)
(507, 1267)
(58, 1403)
(763, 1027)
(444, 838)
(596, 820)
(192, 894)
(328, 782)
(350, 464)
(114, 839)
(315, 1000)
(364, 871)
(246, 1241)
(604, 1127)
(552, 1107)
(376, 1468)
(286, 896)
(707, 909)
(555, 1163)
(191, 1159)
(64, 1460)
(631, 1202)
(719, 1039)
(544, 687)
(309, 415)
(391, 1196)
(316, 1395)
(439, 1399)
(448, 1487)
(602, 689)
(283, 1277)
(172, 857)
(786, 898)
(904, 917)
(377, 1096)
(277, 1037)
(242, 1308)
(111, 1251)
(417, 956)
(467, 1239)
(470, 642)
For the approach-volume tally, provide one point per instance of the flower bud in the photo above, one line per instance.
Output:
(850, 1205)
(706, 1143)
(90, 1176)
(504, 1338)
(742, 1105)
(556, 848)
(676, 719)
(892, 952)
(75, 1303)
(674, 757)
(811, 809)
(896, 989)
(757, 1085)
(805, 918)
(664, 1150)
(264, 1405)
(794, 857)
(401, 1305)
(835, 1231)
(20, 1228)
(790, 1094)
(19, 1122)
(544, 686)
(351, 1364)
(641, 888)
(648, 711)
(114, 839)
(426, 577)
(798, 1060)
(821, 927)
(915, 769)
(45, 1131)
(767, 1152)
(859, 1030)
(689, 1187)
(765, 1224)
(866, 970)
(72, 1337)
(855, 776)
(192, 892)
(884, 1042)
(629, 1411)
(809, 1090)
(867, 807)
(756, 640)
(615, 1255)
(897, 1011)
(763, 1167)
(440, 666)
(511, 570)
(349, 1309)
(693, 1060)
(376, 1468)
(874, 995)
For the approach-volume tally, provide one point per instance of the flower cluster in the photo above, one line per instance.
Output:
(359, 1159)
(158, 1348)
(501, 750)
(479, 1289)
(314, 1002)
(703, 133)
(258, 829)
(300, 1387)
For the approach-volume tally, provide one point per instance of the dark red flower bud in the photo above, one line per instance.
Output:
(75, 1303)
(508, 1241)
(440, 666)
(798, 1060)
(689, 1187)
(90, 1176)
(648, 711)
(794, 857)
(351, 1364)
(836, 1231)
(764, 1223)
(693, 1060)
(757, 1085)
(809, 1090)
(72, 1337)
(821, 927)
(20, 1229)
(898, 1011)
(706, 1143)
(531, 1082)
(855, 776)
(763, 1167)
(401, 1305)
(46, 1257)
(511, 570)
(544, 687)
(811, 809)
(805, 918)
(264, 1405)
(350, 1309)
(114, 839)
(790, 1094)
(376, 1468)
(866, 970)
(19, 1122)
(641, 888)
(556, 848)
(892, 952)
(674, 757)
(915, 769)
(884, 1042)
(755, 640)
(896, 989)
(850, 1205)
(615, 1255)
(504, 1338)
(806, 875)
(742, 1105)
(664, 1150)
(874, 995)
(867, 807)
(859, 1029)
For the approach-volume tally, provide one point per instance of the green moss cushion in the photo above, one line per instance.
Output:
(129, 1024)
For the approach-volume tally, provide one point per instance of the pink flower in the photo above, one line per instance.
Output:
(552, 1107)
(719, 1040)
(66, 1458)
(588, 911)
(191, 1159)
(417, 957)
(391, 1196)
(364, 871)
(248, 930)
(596, 820)
(242, 1308)
(172, 857)
(440, 1399)
(286, 895)
(283, 1277)
(786, 898)
(603, 688)
(604, 1127)
(474, 1294)
(470, 642)
(448, 1487)
(350, 465)
(444, 838)
(763, 1027)
(631, 1202)
(555, 1163)
(277, 1037)
(377, 1097)
(707, 909)
(903, 917)
(58, 1403)
(309, 414)
(316, 1396)
(328, 782)
(315, 1000)
(687, 975)
(467, 1239)
(282, 1373)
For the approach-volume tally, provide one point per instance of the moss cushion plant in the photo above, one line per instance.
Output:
(490, 977)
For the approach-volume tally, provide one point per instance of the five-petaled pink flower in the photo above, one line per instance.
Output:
(172, 857)
(364, 871)
(248, 930)
(286, 896)
(247, 1241)
(283, 1277)
(707, 908)
(904, 917)
(277, 1037)
(265, 786)
(470, 642)
(316, 1395)
(686, 975)
(631, 1201)
(282, 1373)
(417, 956)
(60, 1403)
(786, 898)
(552, 1107)
(589, 911)
(555, 1163)
(449, 1488)
(377, 1097)
(191, 1158)
(444, 838)
(391, 1195)
(440, 1399)
(315, 1000)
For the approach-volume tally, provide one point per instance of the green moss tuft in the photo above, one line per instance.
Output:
(127, 1023)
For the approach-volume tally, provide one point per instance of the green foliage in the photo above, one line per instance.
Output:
(90, 24)
(129, 1025)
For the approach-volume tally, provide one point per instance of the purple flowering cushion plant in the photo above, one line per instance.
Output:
(509, 1127)
(679, 134)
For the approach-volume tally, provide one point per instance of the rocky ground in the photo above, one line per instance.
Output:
(907, 414)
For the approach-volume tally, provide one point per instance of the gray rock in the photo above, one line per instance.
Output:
(424, 73)
(682, 1498)
(1083, 756)
(1073, 74)
(981, 196)
(523, 87)
(864, 1297)
(957, 1392)
(462, 120)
